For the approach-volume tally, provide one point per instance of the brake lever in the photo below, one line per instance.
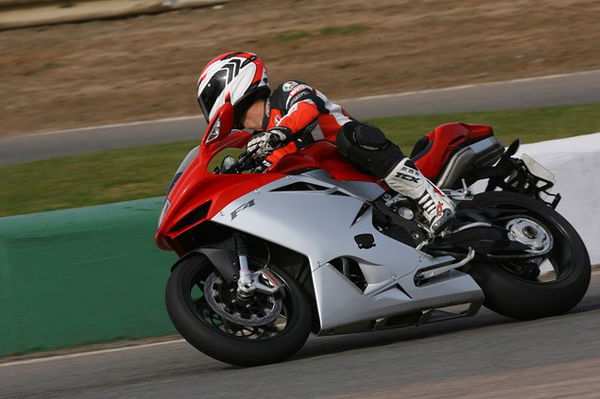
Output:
(246, 161)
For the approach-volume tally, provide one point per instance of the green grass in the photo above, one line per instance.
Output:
(143, 172)
(291, 36)
(294, 35)
(46, 66)
(342, 30)
(90, 179)
(530, 125)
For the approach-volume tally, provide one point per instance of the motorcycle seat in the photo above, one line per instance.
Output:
(435, 148)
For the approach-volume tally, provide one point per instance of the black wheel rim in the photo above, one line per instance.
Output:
(551, 268)
(196, 300)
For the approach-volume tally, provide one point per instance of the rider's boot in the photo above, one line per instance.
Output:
(406, 179)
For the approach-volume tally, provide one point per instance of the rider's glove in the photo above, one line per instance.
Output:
(264, 143)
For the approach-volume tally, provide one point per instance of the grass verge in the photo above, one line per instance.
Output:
(343, 30)
(142, 172)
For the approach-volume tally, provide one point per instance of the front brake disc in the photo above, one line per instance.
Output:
(258, 310)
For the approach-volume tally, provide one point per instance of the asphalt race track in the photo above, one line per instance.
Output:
(486, 356)
(577, 88)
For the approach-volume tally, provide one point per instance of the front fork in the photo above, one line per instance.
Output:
(249, 281)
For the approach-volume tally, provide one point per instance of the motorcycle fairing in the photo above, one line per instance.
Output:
(196, 194)
(343, 308)
(212, 191)
(321, 155)
(322, 225)
(197, 187)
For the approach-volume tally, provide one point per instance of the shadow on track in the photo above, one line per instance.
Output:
(342, 343)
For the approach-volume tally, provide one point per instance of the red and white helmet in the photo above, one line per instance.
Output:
(239, 78)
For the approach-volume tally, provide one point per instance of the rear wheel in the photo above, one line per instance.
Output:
(245, 332)
(534, 286)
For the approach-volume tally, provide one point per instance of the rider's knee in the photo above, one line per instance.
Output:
(366, 146)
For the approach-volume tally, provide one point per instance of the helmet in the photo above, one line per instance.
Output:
(239, 78)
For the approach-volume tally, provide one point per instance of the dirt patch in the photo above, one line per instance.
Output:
(26, 3)
(77, 75)
(78, 11)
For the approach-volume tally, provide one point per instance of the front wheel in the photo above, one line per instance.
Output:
(245, 332)
(532, 287)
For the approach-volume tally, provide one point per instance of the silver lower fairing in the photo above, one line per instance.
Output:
(322, 224)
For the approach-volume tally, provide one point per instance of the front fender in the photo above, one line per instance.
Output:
(222, 256)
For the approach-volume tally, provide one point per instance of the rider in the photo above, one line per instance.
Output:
(296, 114)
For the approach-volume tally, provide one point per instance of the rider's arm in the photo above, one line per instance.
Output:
(302, 111)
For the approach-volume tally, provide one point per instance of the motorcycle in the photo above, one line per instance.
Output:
(309, 243)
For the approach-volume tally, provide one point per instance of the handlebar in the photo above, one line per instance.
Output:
(246, 162)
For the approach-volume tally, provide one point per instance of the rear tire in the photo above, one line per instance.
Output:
(520, 298)
(216, 342)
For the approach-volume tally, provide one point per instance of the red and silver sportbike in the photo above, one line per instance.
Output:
(311, 244)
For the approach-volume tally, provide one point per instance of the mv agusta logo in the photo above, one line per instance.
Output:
(242, 207)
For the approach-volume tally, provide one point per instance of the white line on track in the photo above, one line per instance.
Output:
(90, 353)
(408, 93)
(104, 351)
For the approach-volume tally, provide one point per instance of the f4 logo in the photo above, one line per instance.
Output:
(242, 207)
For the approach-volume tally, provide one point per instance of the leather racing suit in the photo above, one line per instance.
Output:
(303, 115)
(306, 115)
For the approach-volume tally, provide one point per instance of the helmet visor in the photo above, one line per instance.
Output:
(212, 91)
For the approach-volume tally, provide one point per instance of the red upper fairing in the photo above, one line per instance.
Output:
(199, 194)
(197, 186)
(443, 141)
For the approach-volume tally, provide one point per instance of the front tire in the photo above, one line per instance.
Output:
(202, 327)
(524, 296)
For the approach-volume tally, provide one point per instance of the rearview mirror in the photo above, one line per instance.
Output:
(228, 164)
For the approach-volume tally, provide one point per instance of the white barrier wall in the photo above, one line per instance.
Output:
(576, 163)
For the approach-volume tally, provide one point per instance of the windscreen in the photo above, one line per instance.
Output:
(184, 165)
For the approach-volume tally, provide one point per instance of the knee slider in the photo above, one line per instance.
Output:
(366, 146)
(344, 139)
(369, 137)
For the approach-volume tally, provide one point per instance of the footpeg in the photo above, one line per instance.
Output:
(444, 219)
